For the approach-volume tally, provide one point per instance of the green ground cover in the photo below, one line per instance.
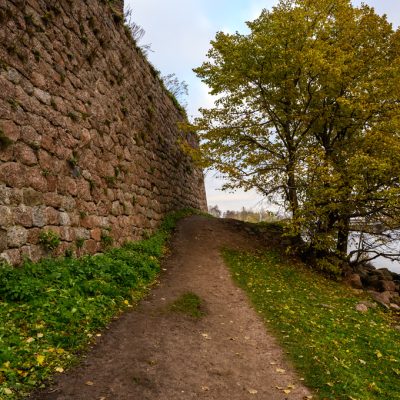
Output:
(51, 310)
(340, 352)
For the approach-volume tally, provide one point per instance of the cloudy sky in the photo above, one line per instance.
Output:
(179, 32)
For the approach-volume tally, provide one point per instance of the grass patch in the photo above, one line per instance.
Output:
(188, 303)
(49, 311)
(342, 354)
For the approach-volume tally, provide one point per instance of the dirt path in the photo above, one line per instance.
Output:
(153, 354)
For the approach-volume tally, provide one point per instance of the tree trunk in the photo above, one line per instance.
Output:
(343, 236)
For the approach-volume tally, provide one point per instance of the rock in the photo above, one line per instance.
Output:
(361, 308)
(354, 280)
(386, 286)
(385, 273)
(3, 240)
(6, 216)
(369, 304)
(39, 216)
(17, 236)
(381, 298)
(394, 306)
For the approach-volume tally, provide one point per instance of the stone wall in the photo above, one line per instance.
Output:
(89, 143)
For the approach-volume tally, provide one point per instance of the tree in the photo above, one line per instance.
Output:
(215, 211)
(308, 111)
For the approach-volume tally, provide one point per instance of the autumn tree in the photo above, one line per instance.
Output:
(307, 111)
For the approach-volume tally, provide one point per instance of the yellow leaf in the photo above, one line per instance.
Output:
(89, 383)
(7, 391)
(287, 391)
(59, 369)
(40, 359)
(280, 370)
(378, 353)
(252, 391)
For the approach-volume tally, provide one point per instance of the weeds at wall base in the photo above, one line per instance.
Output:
(51, 310)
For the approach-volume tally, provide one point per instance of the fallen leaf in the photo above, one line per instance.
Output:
(7, 391)
(30, 340)
(205, 335)
(59, 369)
(286, 391)
(205, 388)
(39, 335)
(280, 370)
(378, 353)
(252, 391)
(89, 383)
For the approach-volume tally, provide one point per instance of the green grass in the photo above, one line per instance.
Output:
(342, 354)
(188, 303)
(51, 310)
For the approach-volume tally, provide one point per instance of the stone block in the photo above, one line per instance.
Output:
(17, 236)
(95, 234)
(25, 154)
(6, 216)
(23, 216)
(39, 216)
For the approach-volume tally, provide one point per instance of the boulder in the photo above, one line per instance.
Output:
(386, 286)
(385, 274)
(381, 298)
(354, 280)
(362, 308)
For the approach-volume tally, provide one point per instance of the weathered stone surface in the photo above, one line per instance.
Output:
(25, 154)
(39, 216)
(386, 286)
(17, 236)
(381, 298)
(354, 281)
(3, 240)
(31, 197)
(23, 216)
(361, 308)
(87, 155)
(6, 216)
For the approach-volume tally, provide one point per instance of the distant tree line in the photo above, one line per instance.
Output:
(244, 214)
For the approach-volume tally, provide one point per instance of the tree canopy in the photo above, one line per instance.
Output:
(307, 112)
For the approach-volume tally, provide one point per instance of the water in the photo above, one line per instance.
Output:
(380, 262)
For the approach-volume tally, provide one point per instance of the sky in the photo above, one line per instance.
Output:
(179, 34)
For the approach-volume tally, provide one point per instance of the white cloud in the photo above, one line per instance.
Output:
(180, 32)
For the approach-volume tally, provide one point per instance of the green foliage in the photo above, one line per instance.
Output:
(106, 240)
(74, 116)
(188, 303)
(49, 240)
(5, 141)
(50, 310)
(342, 354)
(308, 114)
(79, 242)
